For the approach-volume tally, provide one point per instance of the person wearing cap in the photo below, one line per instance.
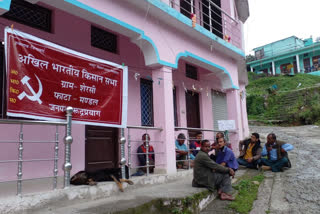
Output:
(182, 152)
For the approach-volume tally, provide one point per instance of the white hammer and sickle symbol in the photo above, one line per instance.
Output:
(36, 96)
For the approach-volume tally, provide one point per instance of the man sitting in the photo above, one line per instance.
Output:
(182, 152)
(276, 151)
(196, 145)
(207, 173)
(143, 158)
(250, 151)
(225, 156)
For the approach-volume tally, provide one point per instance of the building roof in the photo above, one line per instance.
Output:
(277, 41)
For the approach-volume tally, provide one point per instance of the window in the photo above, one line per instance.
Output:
(29, 14)
(175, 111)
(191, 72)
(259, 54)
(104, 40)
(211, 16)
(286, 68)
(306, 64)
(316, 63)
(186, 7)
(146, 102)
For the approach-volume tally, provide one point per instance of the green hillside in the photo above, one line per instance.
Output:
(287, 99)
(261, 86)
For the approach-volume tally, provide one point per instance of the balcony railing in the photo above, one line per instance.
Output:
(212, 17)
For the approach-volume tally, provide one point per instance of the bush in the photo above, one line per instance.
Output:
(255, 105)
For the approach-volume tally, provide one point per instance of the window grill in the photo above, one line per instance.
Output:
(146, 94)
(191, 72)
(30, 14)
(104, 40)
(186, 7)
(212, 17)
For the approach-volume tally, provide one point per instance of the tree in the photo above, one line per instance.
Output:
(250, 58)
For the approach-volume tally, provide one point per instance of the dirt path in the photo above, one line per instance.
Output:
(296, 190)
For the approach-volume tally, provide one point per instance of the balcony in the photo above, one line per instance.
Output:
(208, 14)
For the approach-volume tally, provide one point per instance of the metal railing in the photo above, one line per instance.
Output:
(213, 18)
(21, 143)
(148, 141)
(188, 139)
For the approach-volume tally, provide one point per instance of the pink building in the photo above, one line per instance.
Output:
(181, 73)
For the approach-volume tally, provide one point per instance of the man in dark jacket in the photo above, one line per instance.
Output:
(276, 152)
(207, 173)
(250, 152)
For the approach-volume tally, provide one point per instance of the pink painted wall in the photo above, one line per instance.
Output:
(74, 33)
(42, 150)
(170, 41)
(78, 38)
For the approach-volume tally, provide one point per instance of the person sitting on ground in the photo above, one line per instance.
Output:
(225, 156)
(182, 152)
(215, 144)
(196, 145)
(143, 158)
(209, 174)
(276, 152)
(250, 151)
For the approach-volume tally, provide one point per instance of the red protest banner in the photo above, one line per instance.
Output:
(44, 78)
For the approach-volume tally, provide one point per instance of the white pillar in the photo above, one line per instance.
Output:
(164, 118)
(234, 113)
(251, 69)
(273, 69)
(298, 63)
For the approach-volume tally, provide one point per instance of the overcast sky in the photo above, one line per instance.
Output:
(272, 20)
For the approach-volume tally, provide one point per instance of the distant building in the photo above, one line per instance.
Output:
(287, 56)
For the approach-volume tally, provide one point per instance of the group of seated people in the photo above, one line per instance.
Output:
(218, 157)
(216, 174)
(220, 151)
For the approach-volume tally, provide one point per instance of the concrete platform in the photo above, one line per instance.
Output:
(106, 197)
(28, 203)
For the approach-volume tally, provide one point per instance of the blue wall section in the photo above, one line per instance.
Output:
(5, 4)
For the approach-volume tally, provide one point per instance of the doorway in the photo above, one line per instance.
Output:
(101, 148)
(193, 111)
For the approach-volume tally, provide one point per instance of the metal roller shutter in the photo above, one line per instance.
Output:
(219, 107)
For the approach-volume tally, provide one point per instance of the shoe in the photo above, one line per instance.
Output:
(266, 168)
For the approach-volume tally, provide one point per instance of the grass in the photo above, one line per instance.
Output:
(283, 83)
(277, 100)
(247, 193)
